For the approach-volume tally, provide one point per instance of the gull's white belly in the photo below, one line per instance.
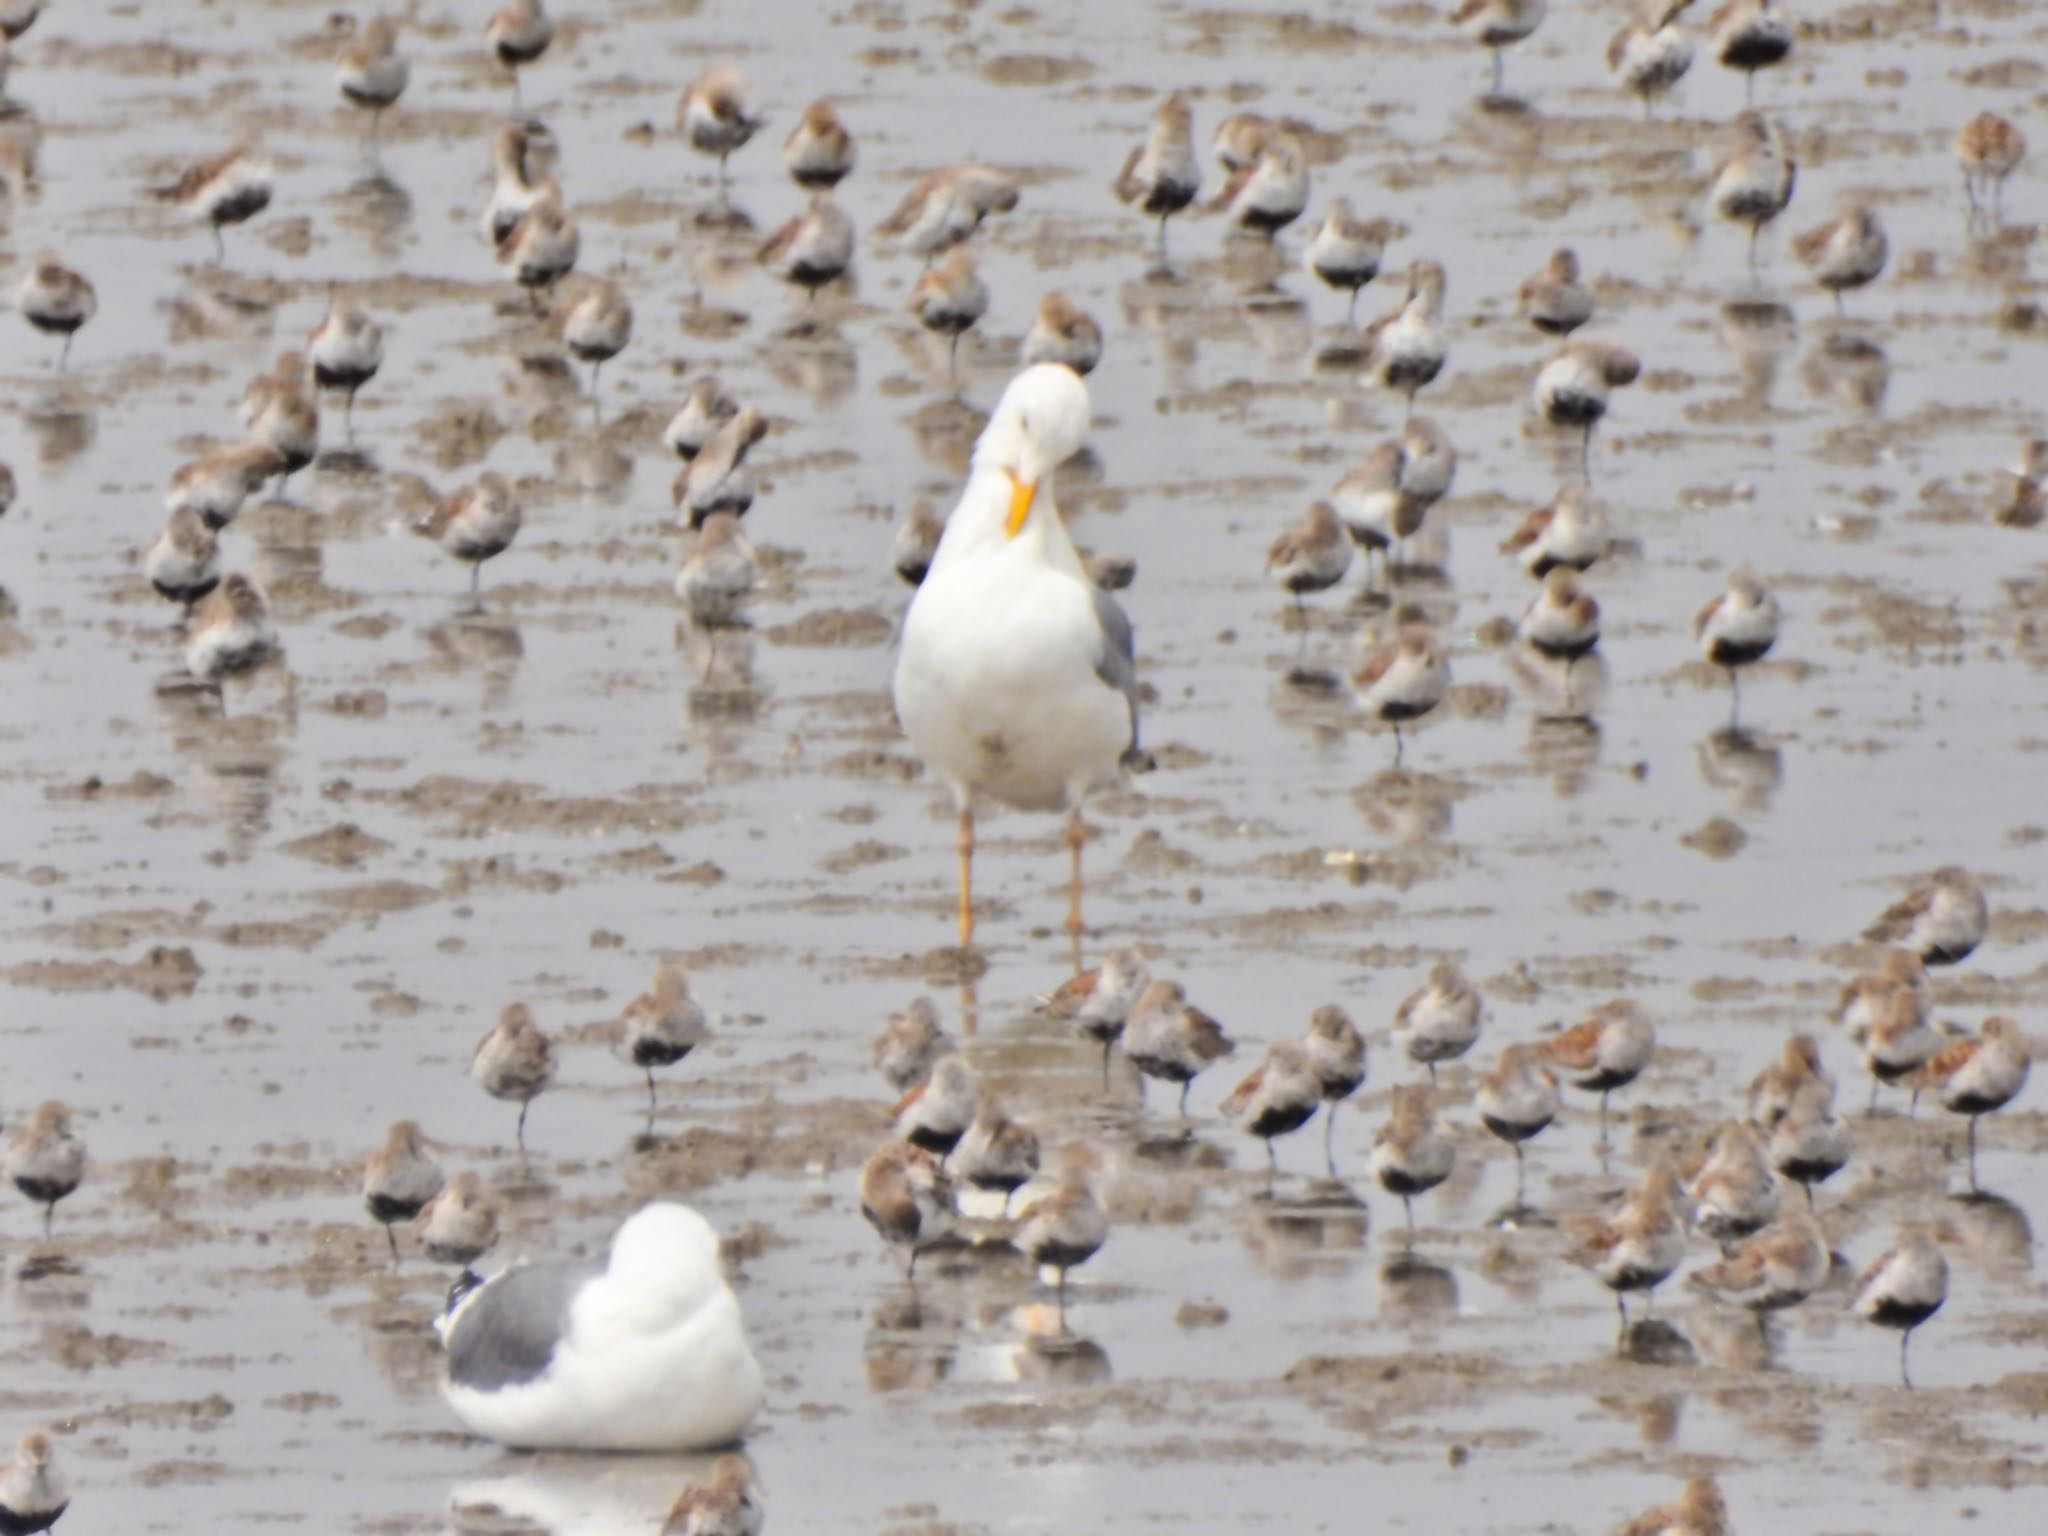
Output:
(996, 685)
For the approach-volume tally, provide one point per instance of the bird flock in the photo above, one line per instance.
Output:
(1018, 682)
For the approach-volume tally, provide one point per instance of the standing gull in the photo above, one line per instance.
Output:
(644, 1353)
(1017, 681)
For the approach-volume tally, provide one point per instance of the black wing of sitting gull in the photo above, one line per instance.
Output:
(1116, 663)
(507, 1334)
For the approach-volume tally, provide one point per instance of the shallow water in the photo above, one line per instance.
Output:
(550, 797)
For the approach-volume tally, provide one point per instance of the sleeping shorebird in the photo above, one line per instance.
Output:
(1752, 183)
(1497, 24)
(477, 523)
(230, 188)
(1903, 1287)
(46, 1158)
(1698, 1511)
(1411, 1153)
(2023, 496)
(1643, 1243)
(917, 542)
(998, 1155)
(34, 1493)
(812, 249)
(1345, 251)
(819, 152)
(1796, 1067)
(596, 325)
(707, 406)
(946, 206)
(1897, 1043)
(1269, 194)
(518, 33)
(906, 1197)
(1556, 299)
(1405, 348)
(541, 247)
(1977, 1075)
(56, 301)
(515, 1062)
(1401, 681)
(1162, 176)
(1517, 1101)
(716, 115)
(1735, 1191)
(1277, 1097)
(1846, 252)
(1652, 53)
(183, 563)
(1063, 332)
(1943, 921)
(1571, 532)
(1439, 1022)
(660, 1027)
(1098, 1003)
(281, 411)
(1989, 149)
(1239, 138)
(1062, 1230)
(1312, 555)
(1809, 1145)
(1336, 1050)
(1737, 627)
(719, 479)
(1574, 384)
(1606, 1050)
(371, 72)
(909, 1043)
(516, 178)
(1168, 1038)
(345, 351)
(216, 484)
(949, 300)
(460, 1224)
(399, 1178)
(1562, 622)
(936, 1113)
(228, 633)
(1749, 35)
(1384, 500)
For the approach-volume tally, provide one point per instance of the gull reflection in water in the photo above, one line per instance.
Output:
(569, 1495)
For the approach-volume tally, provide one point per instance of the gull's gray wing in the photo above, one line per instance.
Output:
(508, 1331)
(1116, 663)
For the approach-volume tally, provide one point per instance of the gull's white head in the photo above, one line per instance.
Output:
(1038, 425)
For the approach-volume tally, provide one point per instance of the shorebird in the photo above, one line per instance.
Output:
(1063, 332)
(707, 406)
(1162, 176)
(1016, 679)
(997, 1154)
(1266, 196)
(1239, 138)
(1310, 555)
(948, 300)
(1898, 1042)
(906, 1197)
(541, 247)
(1411, 1154)
(345, 350)
(1698, 1511)
(1336, 1050)
(1571, 533)
(1796, 1067)
(596, 326)
(909, 1043)
(399, 1178)
(1098, 1003)
(1639, 1247)
(227, 633)
(1517, 1100)
(819, 152)
(718, 574)
(1736, 628)
(1735, 1191)
(281, 411)
(936, 1113)
(1809, 1145)
(1401, 681)
(230, 188)
(460, 1224)
(371, 72)
(1405, 348)
(727, 1502)
(716, 115)
(1846, 252)
(1749, 35)
(1753, 182)
(1652, 53)
(1440, 1021)
(183, 561)
(1573, 386)
(34, 1493)
(1903, 1287)
(46, 1158)
(660, 1027)
(519, 33)
(1773, 1269)
(718, 478)
(1562, 621)
(1989, 149)
(516, 182)
(812, 249)
(56, 301)
(1606, 1050)
(1555, 299)
(1864, 999)
(1063, 1229)
(1384, 500)
(1497, 24)
(946, 206)
(2024, 497)
(647, 1353)
(1980, 1074)
(1345, 251)
(515, 1062)
(1278, 1096)
(1167, 1037)
(478, 522)
(1943, 921)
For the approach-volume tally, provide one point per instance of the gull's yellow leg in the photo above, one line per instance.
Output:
(963, 844)
(1077, 834)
